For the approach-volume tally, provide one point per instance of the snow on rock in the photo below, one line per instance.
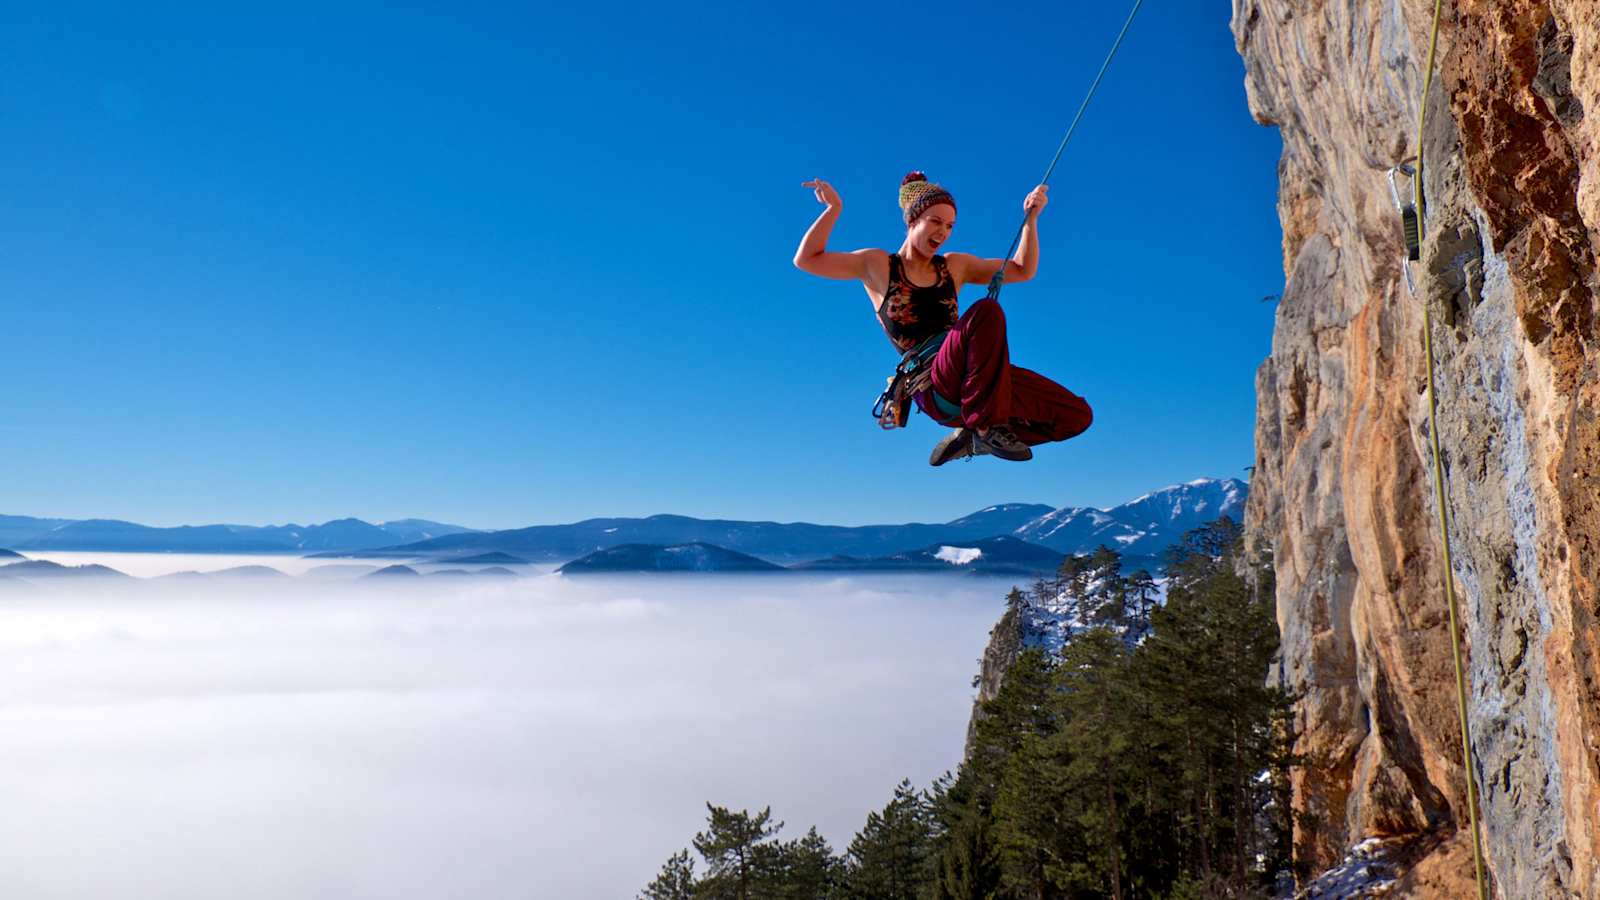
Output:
(1367, 870)
(959, 556)
(1145, 526)
(1051, 622)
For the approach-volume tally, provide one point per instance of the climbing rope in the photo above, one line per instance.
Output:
(893, 405)
(1413, 227)
(1000, 274)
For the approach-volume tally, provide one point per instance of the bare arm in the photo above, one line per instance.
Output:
(1023, 265)
(813, 256)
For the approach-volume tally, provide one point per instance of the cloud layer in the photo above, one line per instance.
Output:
(545, 737)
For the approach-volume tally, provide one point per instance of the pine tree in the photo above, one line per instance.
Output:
(1021, 707)
(965, 864)
(1108, 596)
(799, 870)
(1016, 600)
(676, 881)
(1185, 683)
(1034, 836)
(1141, 591)
(733, 846)
(891, 857)
(1128, 768)
(1095, 740)
(1044, 590)
(1072, 579)
(1199, 552)
(1071, 570)
(1205, 667)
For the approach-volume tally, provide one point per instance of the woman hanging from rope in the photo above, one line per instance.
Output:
(996, 408)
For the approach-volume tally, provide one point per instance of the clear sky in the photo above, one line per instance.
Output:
(501, 268)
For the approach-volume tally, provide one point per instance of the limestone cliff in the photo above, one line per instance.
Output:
(1342, 493)
(1006, 640)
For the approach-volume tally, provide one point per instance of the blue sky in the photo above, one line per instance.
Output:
(502, 267)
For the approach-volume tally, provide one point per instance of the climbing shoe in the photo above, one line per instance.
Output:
(955, 445)
(1002, 443)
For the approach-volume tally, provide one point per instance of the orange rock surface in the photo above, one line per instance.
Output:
(1342, 496)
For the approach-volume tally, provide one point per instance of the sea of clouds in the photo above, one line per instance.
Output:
(544, 737)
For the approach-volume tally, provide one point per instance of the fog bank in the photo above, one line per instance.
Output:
(539, 737)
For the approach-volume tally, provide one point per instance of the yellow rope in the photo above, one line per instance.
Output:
(1438, 487)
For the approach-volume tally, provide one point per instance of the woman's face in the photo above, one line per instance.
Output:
(931, 229)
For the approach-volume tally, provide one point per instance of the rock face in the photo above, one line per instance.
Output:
(1342, 494)
(1006, 639)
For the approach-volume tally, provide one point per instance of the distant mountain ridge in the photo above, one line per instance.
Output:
(1140, 529)
(1002, 555)
(114, 535)
(676, 558)
(987, 556)
(773, 541)
(1144, 526)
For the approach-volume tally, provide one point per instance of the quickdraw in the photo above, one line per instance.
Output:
(1410, 220)
(913, 375)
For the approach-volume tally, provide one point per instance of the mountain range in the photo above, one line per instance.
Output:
(988, 556)
(1140, 529)
(114, 535)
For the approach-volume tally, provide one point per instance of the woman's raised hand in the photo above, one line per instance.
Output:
(1036, 199)
(825, 193)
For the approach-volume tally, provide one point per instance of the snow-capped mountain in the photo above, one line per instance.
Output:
(1002, 519)
(117, 535)
(1140, 530)
(1144, 526)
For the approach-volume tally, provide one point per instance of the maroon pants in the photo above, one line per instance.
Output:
(974, 370)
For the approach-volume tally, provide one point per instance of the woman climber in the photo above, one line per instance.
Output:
(995, 407)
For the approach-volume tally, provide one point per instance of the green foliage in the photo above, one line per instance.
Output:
(1200, 887)
(965, 865)
(1107, 597)
(1149, 760)
(806, 869)
(676, 881)
(1132, 765)
(1205, 670)
(738, 857)
(1140, 591)
(891, 858)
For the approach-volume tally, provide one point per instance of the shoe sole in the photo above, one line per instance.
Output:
(950, 448)
(1021, 455)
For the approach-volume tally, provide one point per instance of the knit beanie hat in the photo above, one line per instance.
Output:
(917, 194)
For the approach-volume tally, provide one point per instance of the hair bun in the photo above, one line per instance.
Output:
(913, 176)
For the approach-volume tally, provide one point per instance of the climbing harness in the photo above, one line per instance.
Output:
(913, 374)
(1412, 227)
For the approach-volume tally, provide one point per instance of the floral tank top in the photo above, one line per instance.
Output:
(911, 313)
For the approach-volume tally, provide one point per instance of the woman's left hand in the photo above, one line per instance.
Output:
(1036, 200)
